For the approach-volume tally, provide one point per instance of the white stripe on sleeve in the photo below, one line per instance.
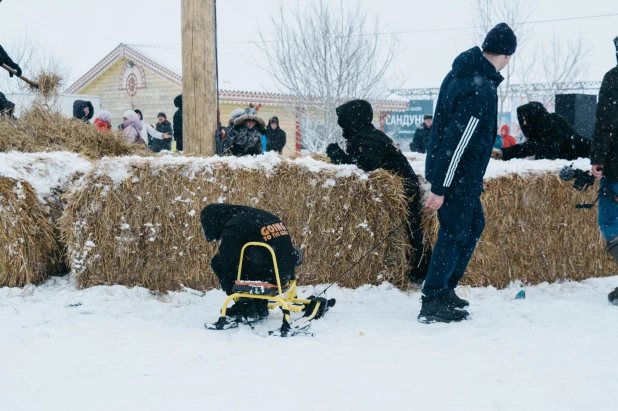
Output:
(465, 139)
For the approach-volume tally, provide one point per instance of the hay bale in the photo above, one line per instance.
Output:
(534, 234)
(29, 251)
(135, 221)
(42, 130)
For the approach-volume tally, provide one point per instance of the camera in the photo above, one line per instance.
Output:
(583, 179)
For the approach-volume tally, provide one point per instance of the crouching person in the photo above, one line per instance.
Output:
(371, 149)
(234, 226)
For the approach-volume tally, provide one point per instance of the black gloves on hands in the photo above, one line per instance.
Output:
(5, 59)
(334, 152)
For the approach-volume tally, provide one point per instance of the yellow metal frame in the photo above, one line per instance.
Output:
(284, 300)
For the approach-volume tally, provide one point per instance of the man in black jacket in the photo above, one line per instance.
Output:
(371, 149)
(550, 136)
(421, 135)
(178, 122)
(604, 157)
(462, 137)
(5, 59)
(83, 110)
(234, 226)
(275, 136)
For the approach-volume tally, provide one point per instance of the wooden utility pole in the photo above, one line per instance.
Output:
(199, 91)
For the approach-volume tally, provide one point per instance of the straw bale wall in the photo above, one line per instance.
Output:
(29, 248)
(533, 233)
(135, 221)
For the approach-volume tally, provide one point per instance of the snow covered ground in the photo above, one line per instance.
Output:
(114, 348)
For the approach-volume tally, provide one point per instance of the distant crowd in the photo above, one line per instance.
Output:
(245, 134)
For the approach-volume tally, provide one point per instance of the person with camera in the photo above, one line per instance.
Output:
(604, 159)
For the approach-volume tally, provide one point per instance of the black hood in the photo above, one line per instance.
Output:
(472, 63)
(178, 101)
(273, 120)
(535, 114)
(78, 110)
(4, 104)
(214, 218)
(354, 116)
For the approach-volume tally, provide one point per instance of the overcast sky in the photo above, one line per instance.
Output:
(82, 32)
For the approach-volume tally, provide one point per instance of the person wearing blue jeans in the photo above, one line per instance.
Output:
(460, 145)
(604, 159)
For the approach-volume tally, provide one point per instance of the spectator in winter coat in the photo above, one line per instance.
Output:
(5, 106)
(221, 146)
(421, 135)
(149, 133)
(604, 157)
(164, 127)
(5, 59)
(178, 123)
(246, 136)
(132, 128)
(83, 110)
(371, 149)
(103, 121)
(507, 139)
(460, 146)
(234, 226)
(275, 136)
(550, 136)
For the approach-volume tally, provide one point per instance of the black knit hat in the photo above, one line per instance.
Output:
(500, 40)
(427, 117)
(162, 114)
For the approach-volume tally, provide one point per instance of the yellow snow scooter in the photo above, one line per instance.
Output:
(280, 295)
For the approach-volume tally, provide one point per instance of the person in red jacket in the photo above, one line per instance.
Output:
(103, 120)
(507, 139)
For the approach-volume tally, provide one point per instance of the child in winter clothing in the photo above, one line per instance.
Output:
(132, 128)
(275, 136)
(234, 226)
(103, 121)
(246, 138)
(507, 139)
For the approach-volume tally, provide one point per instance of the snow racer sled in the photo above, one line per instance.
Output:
(282, 296)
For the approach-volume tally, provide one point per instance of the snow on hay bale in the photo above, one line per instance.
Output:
(30, 204)
(135, 221)
(40, 129)
(29, 250)
(533, 232)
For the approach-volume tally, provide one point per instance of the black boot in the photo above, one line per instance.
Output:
(453, 300)
(261, 308)
(613, 296)
(243, 309)
(436, 309)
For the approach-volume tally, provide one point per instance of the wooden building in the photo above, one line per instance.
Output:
(150, 77)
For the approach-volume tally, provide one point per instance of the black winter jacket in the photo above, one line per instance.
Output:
(165, 127)
(605, 139)
(464, 127)
(178, 122)
(237, 225)
(242, 141)
(421, 139)
(550, 136)
(78, 110)
(368, 147)
(275, 139)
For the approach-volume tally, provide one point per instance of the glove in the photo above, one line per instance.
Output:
(496, 154)
(15, 67)
(334, 152)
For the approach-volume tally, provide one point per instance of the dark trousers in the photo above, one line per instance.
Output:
(461, 224)
(158, 144)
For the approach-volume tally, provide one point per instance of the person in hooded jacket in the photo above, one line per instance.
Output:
(163, 127)
(132, 128)
(460, 146)
(233, 226)
(550, 136)
(83, 110)
(221, 141)
(103, 121)
(275, 136)
(371, 149)
(604, 159)
(507, 139)
(246, 138)
(421, 135)
(178, 122)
